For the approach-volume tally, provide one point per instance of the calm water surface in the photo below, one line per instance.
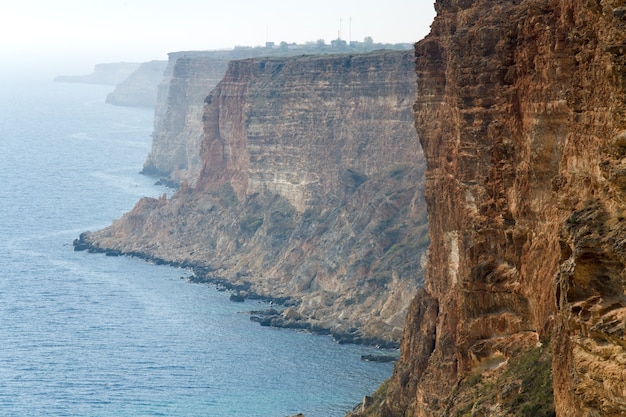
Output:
(90, 335)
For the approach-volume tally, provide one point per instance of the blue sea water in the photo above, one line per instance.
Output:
(90, 335)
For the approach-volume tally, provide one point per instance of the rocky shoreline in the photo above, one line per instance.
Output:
(289, 318)
(282, 316)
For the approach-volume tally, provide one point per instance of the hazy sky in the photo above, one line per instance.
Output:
(56, 35)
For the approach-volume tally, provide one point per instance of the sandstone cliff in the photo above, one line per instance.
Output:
(522, 116)
(189, 78)
(310, 191)
(140, 88)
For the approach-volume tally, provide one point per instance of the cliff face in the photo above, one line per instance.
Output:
(140, 88)
(189, 78)
(310, 190)
(177, 135)
(337, 121)
(522, 116)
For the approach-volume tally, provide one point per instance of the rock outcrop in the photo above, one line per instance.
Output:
(140, 88)
(522, 116)
(310, 192)
(107, 74)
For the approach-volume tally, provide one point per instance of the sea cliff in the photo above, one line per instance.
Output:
(188, 79)
(310, 191)
(521, 111)
(107, 74)
(140, 88)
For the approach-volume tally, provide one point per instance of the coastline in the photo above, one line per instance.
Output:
(284, 317)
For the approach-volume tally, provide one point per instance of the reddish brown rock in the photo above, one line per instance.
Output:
(521, 112)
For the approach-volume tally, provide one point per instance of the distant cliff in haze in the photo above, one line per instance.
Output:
(107, 74)
(139, 89)
(188, 78)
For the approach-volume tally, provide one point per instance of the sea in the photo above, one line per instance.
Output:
(89, 335)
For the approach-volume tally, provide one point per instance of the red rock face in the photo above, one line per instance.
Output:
(521, 113)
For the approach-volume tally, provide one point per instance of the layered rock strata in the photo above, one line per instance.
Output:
(178, 130)
(189, 78)
(310, 191)
(177, 135)
(522, 116)
(140, 88)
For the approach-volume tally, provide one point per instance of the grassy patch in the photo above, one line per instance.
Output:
(227, 195)
(523, 388)
(250, 224)
(354, 178)
(536, 397)
(281, 220)
(380, 281)
(375, 401)
(384, 225)
(394, 248)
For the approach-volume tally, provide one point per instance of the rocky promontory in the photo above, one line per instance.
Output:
(310, 190)
(140, 88)
(107, 74)
(521, 112)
